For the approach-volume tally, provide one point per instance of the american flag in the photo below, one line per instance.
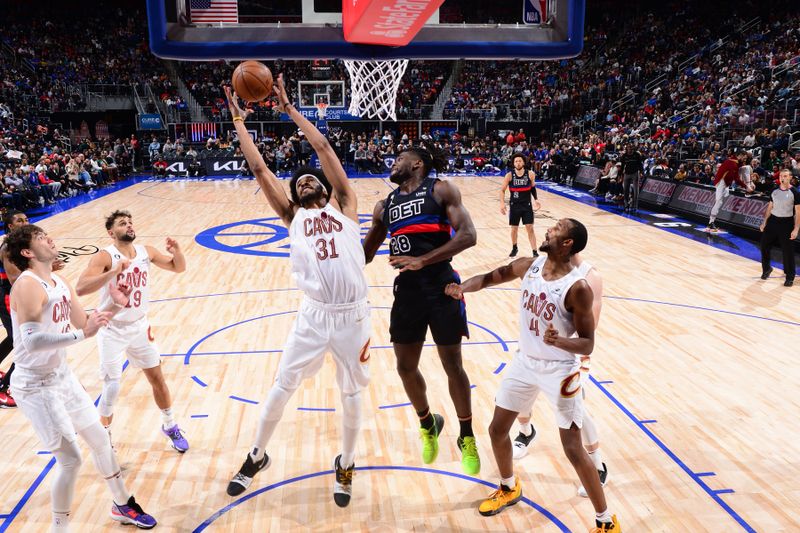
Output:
(214, 10)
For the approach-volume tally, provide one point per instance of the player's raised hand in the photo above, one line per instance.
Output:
(58, 264)
(550, 335)
(233, 104)
(120, 293)
(280, 92)
(172, 245)
(453, 290)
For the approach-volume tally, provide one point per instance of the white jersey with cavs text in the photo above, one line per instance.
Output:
(55, 319)
(327, 256)
(542, 303)
(137, 277)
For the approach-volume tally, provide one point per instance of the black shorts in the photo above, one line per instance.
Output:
(5, 311)
(520, 212)
(419, 303)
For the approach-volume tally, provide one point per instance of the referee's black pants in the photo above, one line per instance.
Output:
(778, 229)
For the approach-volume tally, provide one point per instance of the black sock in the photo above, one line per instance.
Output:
(466, 427)
(425, 419)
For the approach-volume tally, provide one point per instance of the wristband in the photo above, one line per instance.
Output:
(240, 119)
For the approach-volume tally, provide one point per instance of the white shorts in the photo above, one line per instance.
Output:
(586, 364)
(131, 339)
(55, 402)
(560, 381)
(344, 330)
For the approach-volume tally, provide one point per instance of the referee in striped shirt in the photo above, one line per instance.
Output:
(781, 223)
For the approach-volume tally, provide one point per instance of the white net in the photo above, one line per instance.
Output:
(373, 87)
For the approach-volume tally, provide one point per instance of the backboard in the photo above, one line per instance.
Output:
(312, 29)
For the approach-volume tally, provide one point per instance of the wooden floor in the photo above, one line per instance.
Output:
(695, 344)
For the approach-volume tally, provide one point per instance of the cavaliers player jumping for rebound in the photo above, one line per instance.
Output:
(129, 332)
(522, 184)
(328, 266)
(420, 214)
(556, 323)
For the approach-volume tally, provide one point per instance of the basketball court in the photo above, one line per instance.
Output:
(690, 362)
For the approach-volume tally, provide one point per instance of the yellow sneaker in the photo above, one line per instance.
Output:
(502, 498)
(613, 527)
(430, 439)
(470, 460)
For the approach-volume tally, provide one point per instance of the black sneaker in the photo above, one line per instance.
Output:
(343, 485)
(603, 480)
(712, 227)
(535, 253)
(246, 473)
(788, 283)
(766, 274)
(521, 443)
(513, 251)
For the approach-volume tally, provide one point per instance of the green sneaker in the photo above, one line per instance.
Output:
(430, 439)
(470, 460)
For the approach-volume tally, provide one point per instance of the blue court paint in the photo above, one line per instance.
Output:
(499, 368)
(605, 382)
(648, 421)
(3, 516)
(323, 409)
(394, 405)
(705, 474)
(210, 520)
(714, 495)
(44, 452)
(234, 352)
(28, 493)
(473, 386)
(240, 399)
(724, 491)
(199, 381)
(198, 416)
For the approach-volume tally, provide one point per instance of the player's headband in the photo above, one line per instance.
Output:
(324, 188)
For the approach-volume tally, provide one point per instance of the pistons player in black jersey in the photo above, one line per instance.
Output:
(428, 226)
(521, 182)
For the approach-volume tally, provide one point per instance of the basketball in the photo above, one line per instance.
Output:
(252, 81)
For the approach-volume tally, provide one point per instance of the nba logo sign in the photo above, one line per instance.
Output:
(534, 11)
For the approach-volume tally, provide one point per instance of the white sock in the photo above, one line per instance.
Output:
(526, 429)
(597, 459)
(166, 418)
(60, 522)
(351, 425)
(508, 482)
(605, 516)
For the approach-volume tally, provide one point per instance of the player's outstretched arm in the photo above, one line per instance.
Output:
(175, 262)
(328, 160)
(514, 270)
(98, 273)
(506, 182)
(268, 182)
(376, 234)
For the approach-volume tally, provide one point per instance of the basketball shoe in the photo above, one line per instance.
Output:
(521, 443)
(500, 499)
(514, 251)
(343, 485)
(430, 439)
(176, 438)
(6, 401)
(470, 460)
(606, 527)
(603, 480)
(244, 477)
(132, 513)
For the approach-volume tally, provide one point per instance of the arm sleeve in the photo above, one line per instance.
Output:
(35, 340)
(533, 193)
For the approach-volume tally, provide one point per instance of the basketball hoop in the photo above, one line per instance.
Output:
(373, 87)
(322, 110)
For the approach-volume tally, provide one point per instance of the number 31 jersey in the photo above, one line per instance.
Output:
(137, 277)
(327, 256)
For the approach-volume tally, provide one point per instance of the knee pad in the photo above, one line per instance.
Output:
(100, 444)
(351, 409)
(277, 399)
(68, 455)
(589, 432)
(109, 396)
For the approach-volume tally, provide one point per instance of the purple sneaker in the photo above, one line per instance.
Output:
(176, 439)
(132, 513)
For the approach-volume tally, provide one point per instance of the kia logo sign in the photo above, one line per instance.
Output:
(176, 167)
(228, 166)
